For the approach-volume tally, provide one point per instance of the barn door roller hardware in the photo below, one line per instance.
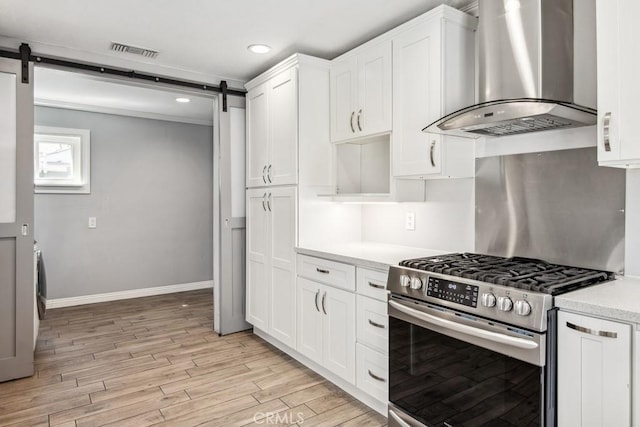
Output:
(24, 55)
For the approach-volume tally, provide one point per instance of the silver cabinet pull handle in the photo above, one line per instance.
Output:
(592, 331)
(375, 377)
(431, 150)
(353, 113)
(359, 113)
(377, 325)
(269, 202)
(324, 296)
(375, 285)
(606, 124)
(317, 293)
(264, 197)
(269, 173)
(264, 170)
(321, 270)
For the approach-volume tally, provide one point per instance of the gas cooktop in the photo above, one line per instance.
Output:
(516, 291)
(521, 273)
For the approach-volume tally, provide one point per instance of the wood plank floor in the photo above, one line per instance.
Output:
(156, 361)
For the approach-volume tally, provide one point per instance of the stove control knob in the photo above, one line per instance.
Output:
(522, 308)
(505, 304)
(488, 299)
(416, 283)
(404, 280)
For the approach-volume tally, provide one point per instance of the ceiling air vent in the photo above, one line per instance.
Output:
(136, 50)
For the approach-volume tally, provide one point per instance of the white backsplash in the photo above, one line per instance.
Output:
(444, 222)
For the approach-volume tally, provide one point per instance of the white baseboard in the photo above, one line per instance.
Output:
(135, 293)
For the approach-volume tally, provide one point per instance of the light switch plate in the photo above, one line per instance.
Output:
(92, 222)
(410, 221)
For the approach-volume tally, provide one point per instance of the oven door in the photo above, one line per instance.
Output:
(448, 368)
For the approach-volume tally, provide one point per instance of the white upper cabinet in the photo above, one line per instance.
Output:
(272, 133)
(257, 136)
(433, 75)
(288, 124)
(361, 93)
(618, 87)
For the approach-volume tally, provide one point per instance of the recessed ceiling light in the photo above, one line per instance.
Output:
(183, 100)
(259, 48)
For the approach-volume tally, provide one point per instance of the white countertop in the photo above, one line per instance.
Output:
(368, 254)
(618, 299)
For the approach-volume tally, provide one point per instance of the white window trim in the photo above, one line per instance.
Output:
(82, 187)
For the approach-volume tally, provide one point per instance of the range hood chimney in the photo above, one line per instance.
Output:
(525, 72)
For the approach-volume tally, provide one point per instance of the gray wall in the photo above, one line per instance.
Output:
(151, 192)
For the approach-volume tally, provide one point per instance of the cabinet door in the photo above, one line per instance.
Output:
(258, 289)
(283, 127)
(344, 97)
(257, 136)
(339, 332)
(608, 45)
(310, 319)
(281, 204)
(373, 113)
(629, 69)
(416, 101)
(618, 91)
(594, 372)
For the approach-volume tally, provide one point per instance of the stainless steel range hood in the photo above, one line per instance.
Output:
(525, 72)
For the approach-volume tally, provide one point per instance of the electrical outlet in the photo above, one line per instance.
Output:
(92, 222)
(410, 221)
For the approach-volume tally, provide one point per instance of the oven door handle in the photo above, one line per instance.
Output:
(397, 419)
(468, 330)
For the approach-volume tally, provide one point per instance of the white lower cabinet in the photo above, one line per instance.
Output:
(373, 324)
(326, 327)
(372, 349)
(372, 372)
(594, 371)
(271, 267)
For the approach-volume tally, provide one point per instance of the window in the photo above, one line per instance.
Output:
(61, 160)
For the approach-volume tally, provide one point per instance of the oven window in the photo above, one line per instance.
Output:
(442, 381)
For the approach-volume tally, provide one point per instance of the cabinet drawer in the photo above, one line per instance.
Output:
(329, 272)
(372, 323)
(372, 372)
(372, 283)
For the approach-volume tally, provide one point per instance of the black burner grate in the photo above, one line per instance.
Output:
(516, 272)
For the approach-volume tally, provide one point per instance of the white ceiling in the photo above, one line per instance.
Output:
(200, 40)
(203, 37)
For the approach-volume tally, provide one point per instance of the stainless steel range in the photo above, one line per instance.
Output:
(472, 339)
